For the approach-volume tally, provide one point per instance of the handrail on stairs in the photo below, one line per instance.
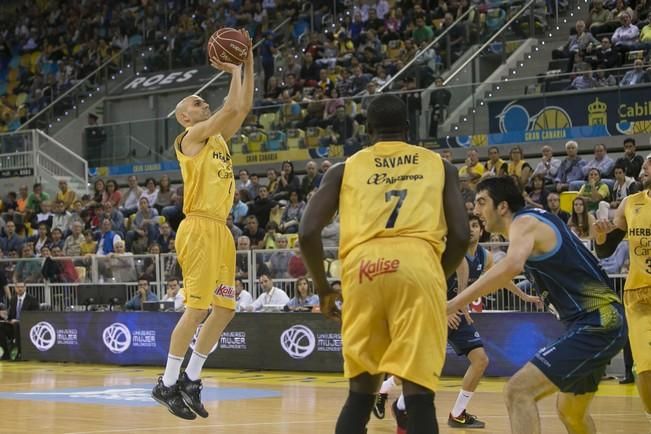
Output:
(83, 178)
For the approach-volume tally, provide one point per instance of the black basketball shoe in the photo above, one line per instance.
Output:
(191, 393)
(380, 403)
(171, 398)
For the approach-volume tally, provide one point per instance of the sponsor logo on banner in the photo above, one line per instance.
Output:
(371, 269)
(225, 291)
(144, 338)
(233, 341)
(328, 342)
(67, 337)
(298, 341)
(157, 81)
(42, 335)
(117, 338)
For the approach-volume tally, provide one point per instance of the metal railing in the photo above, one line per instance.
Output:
(125, 270)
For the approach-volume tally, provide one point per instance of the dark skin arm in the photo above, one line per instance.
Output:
(455, 214)
(318, 213)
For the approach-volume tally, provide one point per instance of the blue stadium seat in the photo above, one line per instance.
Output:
(276, 141)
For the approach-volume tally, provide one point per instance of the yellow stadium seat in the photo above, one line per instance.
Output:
(291, 240)
(26, 60)
(11, 99)
(257, 141)
(394, 49)
(313, 136)
(567, 197)
(351, 108)
(20, 99)
(295, 138)
(237, 143)
(268, 121)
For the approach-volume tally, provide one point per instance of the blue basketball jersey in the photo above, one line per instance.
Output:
(569, 276)
(476, 266)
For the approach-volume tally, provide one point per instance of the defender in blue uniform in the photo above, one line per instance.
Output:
(568, 277)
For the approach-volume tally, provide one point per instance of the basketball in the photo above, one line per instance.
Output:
(228, 45)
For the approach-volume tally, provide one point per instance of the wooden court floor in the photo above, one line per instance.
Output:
(46, 398)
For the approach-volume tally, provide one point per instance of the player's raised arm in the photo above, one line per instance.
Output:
(456, 217)
(319, 212)
(522, 235)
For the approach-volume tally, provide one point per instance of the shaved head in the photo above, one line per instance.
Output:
(191, 109)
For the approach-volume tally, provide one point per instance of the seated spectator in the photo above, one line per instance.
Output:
(150, 193)
(292, 214)
(10, 326)
(330, 237)
(21, 200)
(56, 238)
(65, 195)
(554, 206)
(61, 217)
(605, 79)
(240, 209)
(636, 75)
(28, 270)
(270, 296)
(340, 129)
(174, 213)
(166, 234)
(129, 201)
(261, 208)
(89, 245)
(580, 41)
(119, 265)
(635, 161)
(269, 240)
(585, 80)
(143, 294)
(279, 260)
(296, 267)
(626, 36)
(107, 239)
(112, 194)
(144, 228)
(45, 216)
(11, 240)
(244, 183)
(34, 200)
(594, 191)
(235, 230)
(242, 296)
(472, 170)
(99, 193)
(305, 299)
(72, 244)
(495, 166)
(164, 197)
(287, 182)
(115, 215)
(624, 185)
(149, 263)
(617, 261)
(581, 221)
(571, 169)
(42, 238)
(536, 197)
(548, 165)
(311, 180)
(606, 57)
(518, 167)
(174, 293)
(598, 15)
(64, 270)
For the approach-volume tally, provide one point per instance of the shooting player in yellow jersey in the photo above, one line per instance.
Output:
(403, 230)
(634, 216)
(204, 243)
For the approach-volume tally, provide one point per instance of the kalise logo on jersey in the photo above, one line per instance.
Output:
(372, 269)
(225, 291)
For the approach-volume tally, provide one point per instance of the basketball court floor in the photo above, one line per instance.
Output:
(54, 398)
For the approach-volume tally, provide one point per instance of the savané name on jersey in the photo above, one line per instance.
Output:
(391, 162)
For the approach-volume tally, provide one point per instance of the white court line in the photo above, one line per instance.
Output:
(222, 425)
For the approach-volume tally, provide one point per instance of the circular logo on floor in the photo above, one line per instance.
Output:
(298, 341)
(117, 338)
(43, 336)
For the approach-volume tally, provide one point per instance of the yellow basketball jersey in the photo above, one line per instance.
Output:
(392, 189)
(638, 219)
(208, 181)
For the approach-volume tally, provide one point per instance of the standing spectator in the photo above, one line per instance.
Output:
(11, 240)
(129, 203)
(495, 165)
(311, 180)
(518, 166)
(143, 294)
(10, 331)
(35, 199)
(581, 221)
(635, 161)
(472, 170)
(571, 168)
(270, 295)
(151, 192)
(548, 165)
(72, 244)
(65, 195)
(554, 206)
(305, 299)
(164, 197)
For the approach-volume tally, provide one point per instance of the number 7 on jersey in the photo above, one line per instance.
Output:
(401, 195)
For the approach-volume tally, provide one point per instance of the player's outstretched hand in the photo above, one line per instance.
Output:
(224, 66)
(454, 319)
(330, 302)
(604, 226)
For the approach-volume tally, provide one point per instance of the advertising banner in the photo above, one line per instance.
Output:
(276, 341)
(166, 80)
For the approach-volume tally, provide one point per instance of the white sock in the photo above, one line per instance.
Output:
(387, 385)
(172, 369)
(401, 403)
(462, 402)
(193, 370)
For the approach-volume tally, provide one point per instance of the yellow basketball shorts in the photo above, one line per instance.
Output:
(638, 316)
(206, 253)
(393, 314)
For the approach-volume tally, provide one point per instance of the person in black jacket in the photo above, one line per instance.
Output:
(10, 328)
